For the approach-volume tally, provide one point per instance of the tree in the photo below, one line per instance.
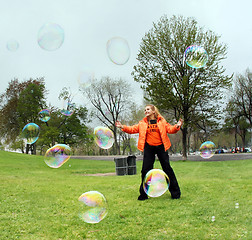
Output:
(19, 105)
(236, 121)
(172, 85)
(239, 107)
(61, 128)
(70, 130)
(30, 102)
(243, 129)
(110, 98)
(242, 94)
(232, 119)
(131, 117)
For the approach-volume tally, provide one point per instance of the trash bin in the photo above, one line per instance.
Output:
(121, 166)
(131, 161)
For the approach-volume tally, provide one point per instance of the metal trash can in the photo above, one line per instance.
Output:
(121, 166)
(131, 161)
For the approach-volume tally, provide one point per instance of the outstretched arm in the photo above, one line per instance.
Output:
(118, 124)
(180, 122)
(128, 129)
(175, 128)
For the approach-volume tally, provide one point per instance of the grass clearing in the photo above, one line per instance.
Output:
(38, 202)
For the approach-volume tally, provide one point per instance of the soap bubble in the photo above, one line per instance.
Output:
(118, 50)
(30, 133)
(156, 183)
(57, 155)
(44, 115)
(207, 149)
(213, 218)
(50, 37)
(93, 207)
(195, 56)
(236, 205)
(12, 45)
(85, 79)
(104, 137)
(68, 108)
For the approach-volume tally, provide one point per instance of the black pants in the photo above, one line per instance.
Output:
(148, 162)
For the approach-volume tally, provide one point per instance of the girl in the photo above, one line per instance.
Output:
(153, 139)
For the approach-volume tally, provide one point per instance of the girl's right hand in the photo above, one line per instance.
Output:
(180, 122)
(118, 124)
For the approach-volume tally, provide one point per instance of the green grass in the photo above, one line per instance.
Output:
(38, 202)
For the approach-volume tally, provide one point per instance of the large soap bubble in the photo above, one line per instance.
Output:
(50, 37)
(118, 50)
(207, 149)
(30, 133)
(93, 207)
(195, 56)
(104, 137)
(155, 183)
(57, 155)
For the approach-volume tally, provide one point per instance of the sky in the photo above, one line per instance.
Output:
(89, 24)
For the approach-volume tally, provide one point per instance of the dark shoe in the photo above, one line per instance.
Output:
(142, 197)
(175, 196)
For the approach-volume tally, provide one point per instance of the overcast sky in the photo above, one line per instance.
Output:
(89, 24)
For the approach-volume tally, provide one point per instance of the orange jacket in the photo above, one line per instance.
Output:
(142, 126)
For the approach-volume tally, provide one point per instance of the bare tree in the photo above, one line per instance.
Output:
(110, 98)
(239, 107)
(242, 94)
(232, 119)
(131, 117)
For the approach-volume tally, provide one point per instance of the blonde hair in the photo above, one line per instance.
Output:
(155, 109)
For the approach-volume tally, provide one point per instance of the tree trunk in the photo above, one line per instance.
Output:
(116, 149)
(27, 148)
(188, 141)
(124, 148)
(130, 149)
(236, 137)
(119, 145)
(184, 143)
(243, 137)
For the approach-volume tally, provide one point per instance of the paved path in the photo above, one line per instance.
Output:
(216, 157)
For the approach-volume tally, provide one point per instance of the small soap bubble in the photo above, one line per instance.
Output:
(93, 207)
(156, 183)
(118, 50)
(50, 36)
(12, 45)
(213, 218)
(44, 115)
(195, 56)
(57, 155)
(236, 205)
(207, 149)
(68, 108)
(85, 79)
(104, 137)
(30, 133)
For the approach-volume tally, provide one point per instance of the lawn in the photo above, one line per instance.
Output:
(38, 202)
